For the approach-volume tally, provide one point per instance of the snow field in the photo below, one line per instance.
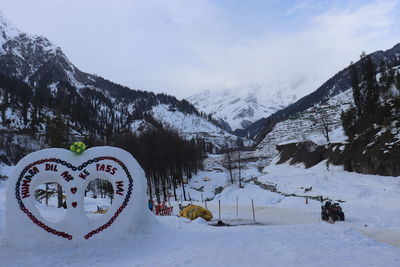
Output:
(288, 232)
(176, 242)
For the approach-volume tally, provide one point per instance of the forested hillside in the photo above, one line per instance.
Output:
(335, 85)
(372, 125)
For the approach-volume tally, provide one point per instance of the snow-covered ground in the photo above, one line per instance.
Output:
(287, 232)
(5, 170)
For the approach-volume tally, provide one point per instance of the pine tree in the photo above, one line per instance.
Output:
(355, 85)
(57, 133)
(371, 88)
(397, 81)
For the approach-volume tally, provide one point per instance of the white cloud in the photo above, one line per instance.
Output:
(181, 47)
(299, 7)
(320, 49)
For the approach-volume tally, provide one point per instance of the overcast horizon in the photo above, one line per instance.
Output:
(183, 47)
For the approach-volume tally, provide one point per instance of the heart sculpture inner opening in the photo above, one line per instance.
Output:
(50, 200)
(99, 195)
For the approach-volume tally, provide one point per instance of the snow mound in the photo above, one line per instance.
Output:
(26, 227)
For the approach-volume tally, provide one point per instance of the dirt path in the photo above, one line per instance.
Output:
(387, 236)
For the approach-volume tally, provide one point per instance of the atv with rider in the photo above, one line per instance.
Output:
(332, 212)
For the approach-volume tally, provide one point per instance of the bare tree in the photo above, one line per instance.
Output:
(325, 128)
(324, 123)
(239, 145)
(228, 159)
(239, 168)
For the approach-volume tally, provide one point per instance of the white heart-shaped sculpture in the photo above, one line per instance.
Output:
(26, 227)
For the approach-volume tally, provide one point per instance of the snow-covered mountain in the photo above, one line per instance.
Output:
(337, 84)
(238, 110)
(351, 128)
(241, 107)
(39, 83)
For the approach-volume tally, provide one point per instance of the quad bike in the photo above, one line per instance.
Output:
(332, 212)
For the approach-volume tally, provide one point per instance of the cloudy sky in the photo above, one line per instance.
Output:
(184, 46)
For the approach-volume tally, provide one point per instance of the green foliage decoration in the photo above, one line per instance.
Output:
(78, 147)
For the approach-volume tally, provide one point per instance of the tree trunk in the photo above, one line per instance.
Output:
(156, 188)
(240, 170)
(183, 188)
(59, 195)
(163, 184)
(149, 187)
(174, 186)
(47, 194)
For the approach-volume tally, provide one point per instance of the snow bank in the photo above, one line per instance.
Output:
(6, 170)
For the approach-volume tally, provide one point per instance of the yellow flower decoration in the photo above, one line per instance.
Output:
(78, 147)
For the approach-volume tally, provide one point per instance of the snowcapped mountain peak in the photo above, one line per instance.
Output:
(7, 29)
(241, 107)
(32, 57)
(7, 32)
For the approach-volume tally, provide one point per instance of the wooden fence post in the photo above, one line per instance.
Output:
(237, 206)
(219, 209)
(254, 215)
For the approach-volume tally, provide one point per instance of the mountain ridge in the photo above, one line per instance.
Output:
(38, 83)
(240, 108)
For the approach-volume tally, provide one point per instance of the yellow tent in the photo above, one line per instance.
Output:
(192, 212)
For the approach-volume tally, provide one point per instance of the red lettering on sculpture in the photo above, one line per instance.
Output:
(84, 174)
(120, 187)
(67, 177)
(106, 168)
(25, 188)
(51, 167)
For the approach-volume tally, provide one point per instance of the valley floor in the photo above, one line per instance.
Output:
(287, 231)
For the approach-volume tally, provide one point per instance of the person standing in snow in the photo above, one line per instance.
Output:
(151, 206)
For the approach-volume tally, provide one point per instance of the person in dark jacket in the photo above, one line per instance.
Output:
(151, 206)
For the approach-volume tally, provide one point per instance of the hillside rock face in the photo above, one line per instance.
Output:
(310, 154)
(375, 151)
(354, 157)
(306, 152)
